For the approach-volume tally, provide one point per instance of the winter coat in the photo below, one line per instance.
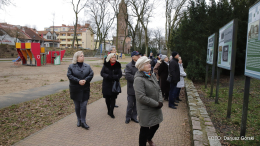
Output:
(130, 71)
(180, 84)
(75, 74)
(163, 73)
(152, 62)
(110, 74)
(174, 70)
(155, 69)
(148, 95)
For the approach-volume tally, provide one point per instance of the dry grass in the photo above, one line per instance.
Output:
(21, 120)
(218, 112)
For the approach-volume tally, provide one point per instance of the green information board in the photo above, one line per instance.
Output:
(210, 49)
(225, 46)
(252, 65)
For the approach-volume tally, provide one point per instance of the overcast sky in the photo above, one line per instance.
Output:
(39, 13)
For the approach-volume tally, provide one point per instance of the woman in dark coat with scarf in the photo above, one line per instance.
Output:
(163, 74)
(110, 72)
(80, 74)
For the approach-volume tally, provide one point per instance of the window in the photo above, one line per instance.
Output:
(79, 34)
(55, 29)
(64, 29)
(79, 39)
(64, 34)
(63, 40)
(48, 37)
(72, 35)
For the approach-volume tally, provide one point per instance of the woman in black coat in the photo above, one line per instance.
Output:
(163, 73)
(110, 72)
(80, 74)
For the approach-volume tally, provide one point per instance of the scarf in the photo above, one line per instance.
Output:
(112, 63)
(148, 74)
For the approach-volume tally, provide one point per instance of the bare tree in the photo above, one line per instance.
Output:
(4, 3)
(157, 33)
(101, 17)
(173, 15)
(76, 9)
(53, 18)
(142, 10)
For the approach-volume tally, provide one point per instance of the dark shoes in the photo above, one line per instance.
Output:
(176, 101)
(166, 99)
(84, 125)
(179, 99)
(116, 106)
(151, 143)
(175, 104)
(79, 123)
(173, 107)
(135, 120)
(127, 121)
(111, 115)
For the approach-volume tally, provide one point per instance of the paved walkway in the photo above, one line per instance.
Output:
(26, 95)
(105, 131)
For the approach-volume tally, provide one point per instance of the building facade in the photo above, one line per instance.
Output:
(85, 36)
(50, 38)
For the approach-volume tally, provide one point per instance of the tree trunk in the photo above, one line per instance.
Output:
(75, 30)
(117, 33)
(146, 41)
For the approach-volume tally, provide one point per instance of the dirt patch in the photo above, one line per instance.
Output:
(15, 79)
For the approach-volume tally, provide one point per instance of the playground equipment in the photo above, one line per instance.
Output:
(33, 52)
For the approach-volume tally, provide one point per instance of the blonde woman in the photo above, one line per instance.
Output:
(110, 72)
(149, 101)
(80, 74)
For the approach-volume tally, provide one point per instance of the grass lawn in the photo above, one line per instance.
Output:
(124, 62)
(21, 120)
(218, 112)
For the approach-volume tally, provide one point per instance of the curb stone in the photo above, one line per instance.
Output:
(200, 121)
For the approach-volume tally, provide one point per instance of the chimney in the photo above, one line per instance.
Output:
(63, 25)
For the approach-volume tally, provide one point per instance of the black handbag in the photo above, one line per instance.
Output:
(116, 87)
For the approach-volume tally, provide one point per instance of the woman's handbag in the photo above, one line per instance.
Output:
(116, 87)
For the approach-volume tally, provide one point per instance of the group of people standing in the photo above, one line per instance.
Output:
(147, 87)
(173, 69)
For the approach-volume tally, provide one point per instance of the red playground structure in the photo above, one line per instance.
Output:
(33, 52)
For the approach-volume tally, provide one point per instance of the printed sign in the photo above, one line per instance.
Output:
(225, 46)
(210, 49)
(252, 64)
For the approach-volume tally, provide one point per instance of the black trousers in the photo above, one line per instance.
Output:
(81, 110)
(147, 133)
(110, 102)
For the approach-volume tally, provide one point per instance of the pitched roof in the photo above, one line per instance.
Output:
(42, 32)
(32, 34)
(14, 31)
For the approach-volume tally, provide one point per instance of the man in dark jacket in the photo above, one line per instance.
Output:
(174, 72)
(130, 70)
